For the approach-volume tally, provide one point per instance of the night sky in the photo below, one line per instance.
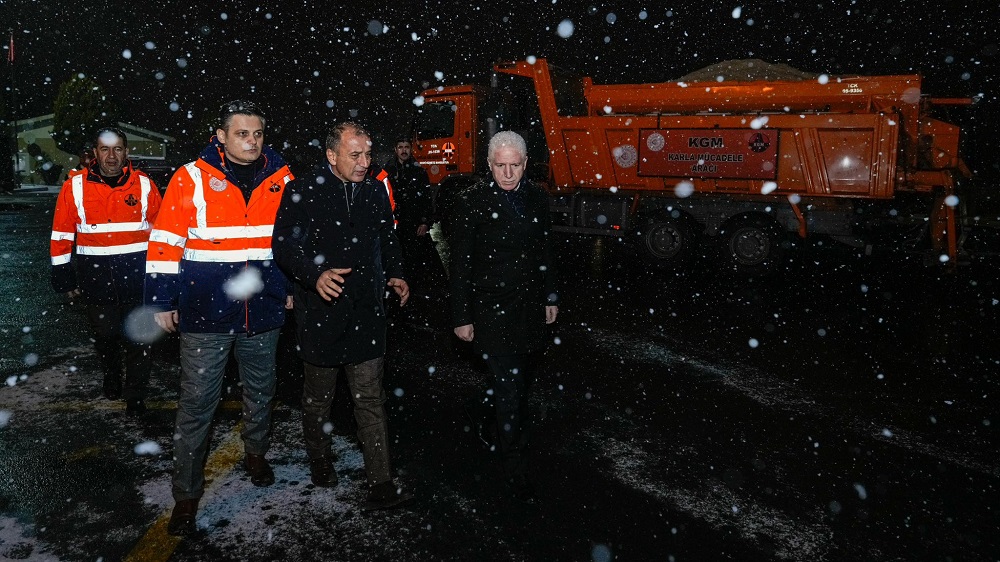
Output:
(170, 65)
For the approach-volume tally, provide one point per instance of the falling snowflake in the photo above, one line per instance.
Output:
(565, 29)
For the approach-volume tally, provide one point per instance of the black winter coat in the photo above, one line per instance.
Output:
(412, 189)
(324, 223)
(502, 271)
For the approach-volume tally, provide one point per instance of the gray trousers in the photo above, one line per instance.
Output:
(203, 365)
(365, 381)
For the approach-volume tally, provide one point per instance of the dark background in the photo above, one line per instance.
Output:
(311, 62)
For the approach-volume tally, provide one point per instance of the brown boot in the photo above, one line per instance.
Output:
(260, 472)
(182, 520)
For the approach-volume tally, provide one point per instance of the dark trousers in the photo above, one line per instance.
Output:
(424, 267)
(513, 376)
(112, 343)
(365, 381)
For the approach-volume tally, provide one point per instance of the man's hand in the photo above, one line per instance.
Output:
(401, 288)
(289, 302)
(550, 313)
(330, 283)
(422, 229)
(465, 333)
(167, 320)
(73, 294)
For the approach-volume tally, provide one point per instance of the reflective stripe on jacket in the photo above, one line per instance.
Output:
(210, 251)
(380, 174)
(109, 227)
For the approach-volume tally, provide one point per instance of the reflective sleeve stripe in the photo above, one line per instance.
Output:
(229, 256)
(56, 235)
(78, 197)
(106, 227)
(146, 188)
(198, 196)
(167, 237)
(227, 232)
(383, 177)
(61, 260)
(163, 267)
(111, 250)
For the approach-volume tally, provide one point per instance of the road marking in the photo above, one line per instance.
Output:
(87, 452)
(157, 545)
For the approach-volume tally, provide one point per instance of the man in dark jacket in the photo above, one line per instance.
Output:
(334, 236)
(106, 210)
(503, 290)
(414, 213)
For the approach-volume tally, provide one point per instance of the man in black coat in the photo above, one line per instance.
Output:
(334, 235)
(414, 214)
(503, 290)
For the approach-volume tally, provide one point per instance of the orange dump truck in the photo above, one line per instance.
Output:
(747, 162)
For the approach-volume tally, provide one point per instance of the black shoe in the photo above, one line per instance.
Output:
(259, 470)
(386, 496)
(135, 407)
(323, 473)
(182, 520)
(112, 387)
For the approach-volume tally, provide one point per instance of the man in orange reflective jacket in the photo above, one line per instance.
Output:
(211, 276)
(106, 210)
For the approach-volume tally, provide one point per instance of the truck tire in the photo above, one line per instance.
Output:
(664, 242)
(751, 244)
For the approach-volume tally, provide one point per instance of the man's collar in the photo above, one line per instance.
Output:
(333, 172)
(94, 174)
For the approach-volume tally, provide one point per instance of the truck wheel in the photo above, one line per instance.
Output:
(752, 245)
(665, 242)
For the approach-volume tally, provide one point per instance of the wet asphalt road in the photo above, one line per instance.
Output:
(844, 409)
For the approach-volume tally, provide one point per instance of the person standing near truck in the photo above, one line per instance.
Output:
(414, 213)
(106, 211)
(503, 291)
(335, 237)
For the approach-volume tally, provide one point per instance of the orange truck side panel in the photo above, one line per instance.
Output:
(854, 156)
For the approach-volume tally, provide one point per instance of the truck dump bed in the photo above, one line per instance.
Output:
(857, 136)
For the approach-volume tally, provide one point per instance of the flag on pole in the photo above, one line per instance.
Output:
(10, 50)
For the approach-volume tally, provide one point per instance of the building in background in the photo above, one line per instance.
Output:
(40, 162)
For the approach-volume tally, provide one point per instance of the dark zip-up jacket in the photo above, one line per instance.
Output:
(324, 223)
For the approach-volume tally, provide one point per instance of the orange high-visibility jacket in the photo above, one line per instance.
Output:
(210, 251)
(379, 173)
(109, 225)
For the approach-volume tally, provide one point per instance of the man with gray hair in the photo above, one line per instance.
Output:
(503, 291)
